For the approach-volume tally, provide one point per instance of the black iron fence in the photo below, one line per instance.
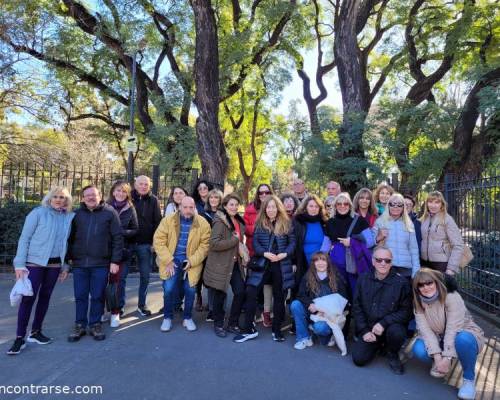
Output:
(474, 203)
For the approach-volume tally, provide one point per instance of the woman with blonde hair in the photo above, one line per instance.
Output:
(41, 253)
(446, 328)
(395, 230)
(381, 196)
(442, 243)
(364, 206)
(274, 243)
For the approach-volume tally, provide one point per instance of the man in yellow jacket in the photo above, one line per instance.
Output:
(181, 244)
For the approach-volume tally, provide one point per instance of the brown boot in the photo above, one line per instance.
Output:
(96, 332)
(78, 332)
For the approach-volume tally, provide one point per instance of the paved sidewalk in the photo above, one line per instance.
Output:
(137, 361)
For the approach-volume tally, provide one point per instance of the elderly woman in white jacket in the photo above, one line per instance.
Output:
(395, 230)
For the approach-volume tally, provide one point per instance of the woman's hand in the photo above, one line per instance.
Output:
(443, 364)
(63, 275)
(281, 256)
(271, 256)
(312, 308)
(345, 241)
(21, 273)
(114, 268)
(450, 272)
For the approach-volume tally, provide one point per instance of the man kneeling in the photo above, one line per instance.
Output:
(381, 311)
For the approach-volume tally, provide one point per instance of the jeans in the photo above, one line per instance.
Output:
(93, 281)
(219, 297)
(118, 278)
(301, 317)
(170, 294)
(43, 280)
(465, 346)
(145, 265)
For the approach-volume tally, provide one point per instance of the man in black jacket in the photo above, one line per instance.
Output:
(382, 308)
(95, 249)
(149, 216)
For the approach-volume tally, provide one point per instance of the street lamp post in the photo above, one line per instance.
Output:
(130, 162)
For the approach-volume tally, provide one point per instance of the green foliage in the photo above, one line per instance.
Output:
(15, 214)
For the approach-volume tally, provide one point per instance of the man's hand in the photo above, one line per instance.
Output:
(377, 329)
(369, 337)
(63, 275)
(170, 268)
(187, 266)
(114, 268)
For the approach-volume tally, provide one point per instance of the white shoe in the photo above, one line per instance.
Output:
(467, 390)
(189, 325)
(115, 321)
(105, 317)
(302, 344)
(331, 342)
(166, 325)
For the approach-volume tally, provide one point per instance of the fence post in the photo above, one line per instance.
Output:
(448, 179)
(156, 179)
(395, 181)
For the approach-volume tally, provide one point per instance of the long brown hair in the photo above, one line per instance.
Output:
(282, 224)
(125, 186)
(426, 275)
(372, 209)
(312, 280)
(302, 209)
(379, 188)
(256, 200)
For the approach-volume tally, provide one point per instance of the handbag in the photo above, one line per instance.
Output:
(350, 262)
(259, 263)
(467, 256)
(111, 293)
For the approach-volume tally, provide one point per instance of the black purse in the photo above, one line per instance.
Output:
(111, 296)
(260, 263)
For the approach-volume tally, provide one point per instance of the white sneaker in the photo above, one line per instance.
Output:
(331, 342)
(115, 321)
(105, 317)
(189, 325)
(467, 390)
(166, 325)
(302, 344)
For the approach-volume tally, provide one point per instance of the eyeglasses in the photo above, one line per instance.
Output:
(423, 284)
(59, 197)
(328, 205)
(398, 205)
(265, 192)
(343, 204)
(383, 260)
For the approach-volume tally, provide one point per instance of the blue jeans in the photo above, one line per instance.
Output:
(123, 283)
(465, 346)
(93, 281)
(145, 265)
(171, 293)
(301, 317)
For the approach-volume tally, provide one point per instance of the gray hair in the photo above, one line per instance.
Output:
(347, 197)
(58, 189)
(381, 247)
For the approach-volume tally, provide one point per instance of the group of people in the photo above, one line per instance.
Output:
(394, 270)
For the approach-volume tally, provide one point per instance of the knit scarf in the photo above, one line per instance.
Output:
(429, 300)
(118, 205)
(309, 218)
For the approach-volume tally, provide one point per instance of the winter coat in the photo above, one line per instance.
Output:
(165, 242)
(223, 252)
(418, 230)
(96, 238)
(130, 226)
(250, 217)
(39, 235)
(442, 241)
(386, 301)
(148, 214)
(403, 244)
(444, 321)
(284, 244)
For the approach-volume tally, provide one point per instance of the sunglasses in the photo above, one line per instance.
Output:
(423, 284)
(328, 205)
(343, 204)
(203, 187)
(265, 192)
(383, 260)
(398, 205)
(59, 197)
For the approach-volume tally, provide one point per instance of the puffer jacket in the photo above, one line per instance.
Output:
(284, 244)
(386, 301)
(165, 242)
(442, 241)
(446, 321)
(223, 252)
(403, 244)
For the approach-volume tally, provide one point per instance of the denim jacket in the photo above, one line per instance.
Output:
(39, 235)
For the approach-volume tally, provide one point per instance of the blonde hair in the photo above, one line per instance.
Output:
(425, 275)
(302, 209)
(372, 209)
(282, 224)
(379, 188)
(444, 205)
(52, 192)
(214, 193)
(343, 196)
(386, 216)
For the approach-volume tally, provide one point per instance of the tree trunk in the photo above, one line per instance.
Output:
(471, 151)
(211, 149)
(355, 91)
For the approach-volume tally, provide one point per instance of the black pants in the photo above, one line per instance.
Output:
(392, 339)
(238, 287)
(272, 276)
(436, 265)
